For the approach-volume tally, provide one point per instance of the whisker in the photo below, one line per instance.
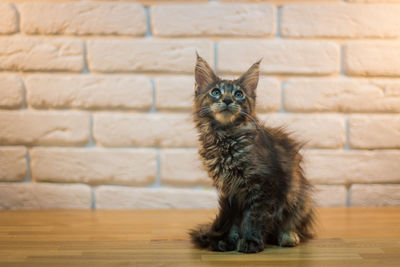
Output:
(204, 111)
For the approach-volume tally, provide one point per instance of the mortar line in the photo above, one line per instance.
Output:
(347, 134)
(91, 139)
(93, 194)
(28, 178)
(24, 94)
(85, 62)
(348, 196)
(148, 22)
(153, 88)
(278, 24)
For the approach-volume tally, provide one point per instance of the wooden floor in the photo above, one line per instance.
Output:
(347, 237)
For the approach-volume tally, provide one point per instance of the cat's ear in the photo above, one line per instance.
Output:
(203, 73)
(249, 79)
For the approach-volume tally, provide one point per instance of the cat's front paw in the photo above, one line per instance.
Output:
(223, 245)
(250, 246)
(288, 239)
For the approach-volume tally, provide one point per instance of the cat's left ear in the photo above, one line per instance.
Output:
(249, 79)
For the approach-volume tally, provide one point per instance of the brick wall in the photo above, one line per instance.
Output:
(96, 96)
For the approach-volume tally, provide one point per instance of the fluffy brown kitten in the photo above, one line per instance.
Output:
(263, 194)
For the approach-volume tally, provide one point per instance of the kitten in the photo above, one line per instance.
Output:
(263, 194)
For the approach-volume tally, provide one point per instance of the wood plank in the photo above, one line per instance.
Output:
(346, 237)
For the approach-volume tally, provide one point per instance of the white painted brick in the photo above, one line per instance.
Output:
(94, 166)
(286, 2)
(83, 18)
(346, 95)
(375, 195)
(315, 130)
(11, 91)
(13, 165)
(344, 167)
(268, 95)
(44, 196)
(330, 195)
(89, 91)
(374, 1)
(117, 197)
(8, 18)
(374, 131)
(280, 56)
(213, 20)
(44, 127)
(182, 167)
(147, 55)
(174, 93)
(372, 58)
(40, 54)
(153, 129)
(349, 21)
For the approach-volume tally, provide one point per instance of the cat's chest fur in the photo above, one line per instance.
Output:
(226, 157)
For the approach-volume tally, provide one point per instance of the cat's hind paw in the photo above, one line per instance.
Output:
(223, 245)
(288, 239)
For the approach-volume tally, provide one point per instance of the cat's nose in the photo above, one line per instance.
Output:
(227, 101)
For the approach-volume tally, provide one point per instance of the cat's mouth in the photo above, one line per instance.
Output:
(225, 110)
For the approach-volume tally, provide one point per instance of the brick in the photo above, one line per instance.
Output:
(315, 130)
(11, 91)
(174, 93)
(13, 164)
(345, 95)
(374, 1)
(89, 91)
(374, 131)
(372, 59)
(44, 127)
(280, 56)
(153, 129)
(94, 166)
(40, 54)
(348, 21)
(44, 196)
(330, 195)
(375, 195)
(268, 95)
(344, 167)
(83, 18)
(147, 55)
(8, 19)
(213, 20)
(182, 167)
(177, 93)
(285, 2)
(118, 197)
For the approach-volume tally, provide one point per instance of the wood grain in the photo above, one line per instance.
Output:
(346, 237)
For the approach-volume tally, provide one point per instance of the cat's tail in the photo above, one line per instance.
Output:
(203, 236)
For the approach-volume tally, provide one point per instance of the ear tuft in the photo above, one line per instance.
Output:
(204, 75)
(249, 80)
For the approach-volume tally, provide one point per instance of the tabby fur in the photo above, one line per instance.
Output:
(263, 194)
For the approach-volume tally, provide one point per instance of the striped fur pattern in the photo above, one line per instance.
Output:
(263, 194)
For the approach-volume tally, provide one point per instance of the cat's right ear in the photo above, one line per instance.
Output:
(204, 75)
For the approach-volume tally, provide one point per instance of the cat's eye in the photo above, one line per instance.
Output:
(239, 94)
(215, 92)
